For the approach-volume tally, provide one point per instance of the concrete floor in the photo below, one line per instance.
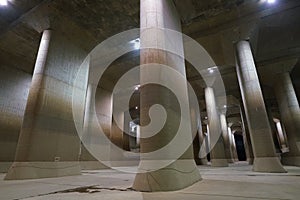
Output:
(234, 182)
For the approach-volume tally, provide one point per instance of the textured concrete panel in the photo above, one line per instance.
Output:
(14, 88)
(48, 132)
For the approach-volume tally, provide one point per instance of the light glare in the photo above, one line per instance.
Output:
(137, 87)
(3, 2)
(136, 43)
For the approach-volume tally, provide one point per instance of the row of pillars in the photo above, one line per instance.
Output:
(265, 157)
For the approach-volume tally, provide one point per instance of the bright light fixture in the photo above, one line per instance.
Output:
(212, 69)
(137, 87)
(3, 2)
(271, 1)
(136, 107)
(136, 43)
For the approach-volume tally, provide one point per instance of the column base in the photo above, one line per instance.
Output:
(203, 161)
(219, 163)
(37, 170)
(268, 164)
(178, 175)
(4, 166)
(250, 161)
(291, 160)
(230, 160)
(92, 165)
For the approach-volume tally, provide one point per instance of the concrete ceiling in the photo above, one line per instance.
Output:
(215, 24)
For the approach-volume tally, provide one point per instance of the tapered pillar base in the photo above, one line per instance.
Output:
(4, 166)
(201, 161)
(219, 163)
(178, 175)
(268, 164)
(92, 165)
(291, 160)
(37, 170)
(250, 161)
(198, 161)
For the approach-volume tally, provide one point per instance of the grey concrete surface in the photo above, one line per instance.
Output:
(234, 182)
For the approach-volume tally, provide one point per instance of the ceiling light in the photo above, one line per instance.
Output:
(136, 43)
(212, 69)
(137, 87)
(271, 1)
(3, 2)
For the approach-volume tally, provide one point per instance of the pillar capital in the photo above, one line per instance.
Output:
(272, 71)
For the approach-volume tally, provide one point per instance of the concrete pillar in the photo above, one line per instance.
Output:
(233, 145)
(87, 160)
(281, 137)
(197, 130)
(290, 115)
(197, 142)
(265, 159)
(138, 136)
(202, 151)
(207, 143)
(183, 171)
(120, 138)
(246, 138)
(226, 139)
(126, 134)
(48, 145)
(274, 131)
(116, 135)
(218, 157)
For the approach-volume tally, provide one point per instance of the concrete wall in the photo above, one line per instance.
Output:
(14, 87)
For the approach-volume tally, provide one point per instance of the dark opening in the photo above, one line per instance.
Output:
(239, 142)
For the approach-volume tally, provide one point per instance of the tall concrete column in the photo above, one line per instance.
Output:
(48, 145)
(207, 143)
(265, 159)
(182, 172)
(232, 144)
(203, 151)
(126, 134)
(226, 139)
(87, 160)
(281, 137)
(120, 138)
(246, 138)
(116, 135)
(218, 156)
(290, 114)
